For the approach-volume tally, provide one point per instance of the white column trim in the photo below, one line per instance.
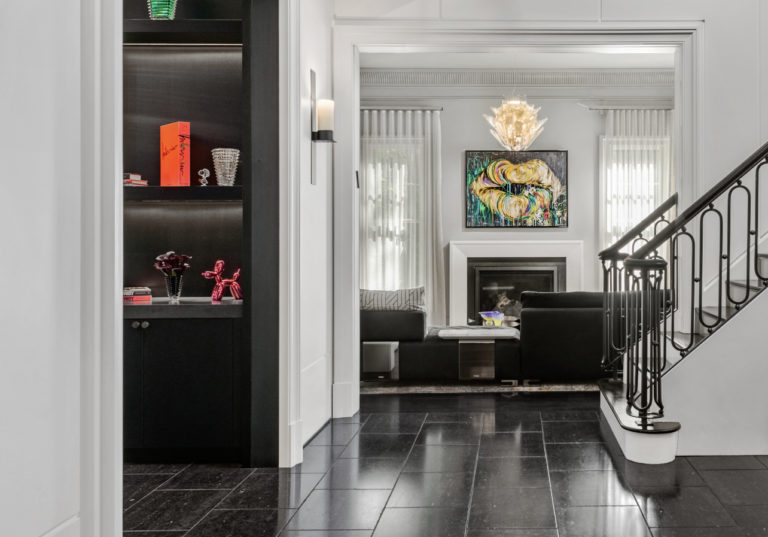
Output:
(101, 463)
(290, 445)
(346, 278)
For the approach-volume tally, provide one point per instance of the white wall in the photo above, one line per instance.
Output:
(570, 127)
(40, 270)
(730, 51)
(728, 84)
(316, 233)
(723, 412)
(732, 121)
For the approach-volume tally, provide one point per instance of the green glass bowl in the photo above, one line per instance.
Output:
(161, 9)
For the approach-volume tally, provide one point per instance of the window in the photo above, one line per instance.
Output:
(635, 169)
(401, 243)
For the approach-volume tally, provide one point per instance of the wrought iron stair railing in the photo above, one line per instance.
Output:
(615, 295)
(679, 276)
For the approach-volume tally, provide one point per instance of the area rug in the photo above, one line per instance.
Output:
(376, 388)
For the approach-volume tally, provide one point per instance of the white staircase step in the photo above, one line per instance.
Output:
(654, 443)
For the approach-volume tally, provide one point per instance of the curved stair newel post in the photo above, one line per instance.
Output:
(615, 302)
(642, 294)
(634, 413)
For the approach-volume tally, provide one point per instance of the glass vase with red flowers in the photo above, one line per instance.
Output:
(173, 266)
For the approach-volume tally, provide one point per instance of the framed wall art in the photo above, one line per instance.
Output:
(516, 189)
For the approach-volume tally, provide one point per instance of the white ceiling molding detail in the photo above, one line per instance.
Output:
(660, 78)
(630, 104)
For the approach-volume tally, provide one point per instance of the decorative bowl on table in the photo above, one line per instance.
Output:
(492, 318)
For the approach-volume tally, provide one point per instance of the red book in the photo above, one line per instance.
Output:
(144, 299)
(174, 154)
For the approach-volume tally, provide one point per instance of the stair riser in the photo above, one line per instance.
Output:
(763, 264)
(711, 318)
(700, 328)
(738, 292)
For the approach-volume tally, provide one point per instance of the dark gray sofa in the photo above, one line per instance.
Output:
(422, 355)
(561, 337)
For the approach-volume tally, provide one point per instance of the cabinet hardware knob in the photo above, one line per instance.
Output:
(145, 324)
(135, 325)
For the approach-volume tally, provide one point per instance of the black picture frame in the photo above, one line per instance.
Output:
(478, 215)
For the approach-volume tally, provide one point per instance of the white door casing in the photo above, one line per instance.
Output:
(351, 37)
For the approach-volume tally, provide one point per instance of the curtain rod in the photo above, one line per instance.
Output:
(405, 108)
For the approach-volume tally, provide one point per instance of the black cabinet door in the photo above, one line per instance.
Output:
(132, 361)
(188, 384)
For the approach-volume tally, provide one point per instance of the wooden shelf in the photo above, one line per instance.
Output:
(182, 193)
(189, 31)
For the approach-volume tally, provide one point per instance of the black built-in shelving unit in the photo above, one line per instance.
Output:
(215, 66)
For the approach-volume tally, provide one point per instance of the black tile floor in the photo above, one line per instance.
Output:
(504, 465)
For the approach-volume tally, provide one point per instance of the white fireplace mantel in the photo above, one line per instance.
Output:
(460, 251)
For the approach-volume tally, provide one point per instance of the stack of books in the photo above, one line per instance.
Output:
(137, 295)
(133, 179)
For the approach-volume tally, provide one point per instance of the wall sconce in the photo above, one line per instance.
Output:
(322, 115)
(322, 121)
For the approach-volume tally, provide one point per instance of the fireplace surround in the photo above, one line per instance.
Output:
(495, 283)
(461, 251)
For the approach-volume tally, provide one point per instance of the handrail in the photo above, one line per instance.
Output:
(699, 205)
(642, 300)
(613, 251)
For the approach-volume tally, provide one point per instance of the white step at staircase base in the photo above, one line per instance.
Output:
(658, 446)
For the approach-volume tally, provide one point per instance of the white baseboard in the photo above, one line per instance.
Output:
(68, 528)
(343, 404)
(297, 445)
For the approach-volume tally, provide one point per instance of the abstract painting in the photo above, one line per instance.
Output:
(517, 188)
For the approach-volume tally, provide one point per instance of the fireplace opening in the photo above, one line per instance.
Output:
(495, 284)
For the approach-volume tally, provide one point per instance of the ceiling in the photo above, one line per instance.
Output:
(605, 58)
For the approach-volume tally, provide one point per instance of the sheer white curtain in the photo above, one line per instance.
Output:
(635, 168)
(401, 244)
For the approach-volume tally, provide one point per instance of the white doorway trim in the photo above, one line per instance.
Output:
(290, 422)
(351, 37)
(101, 378)
(101, 387)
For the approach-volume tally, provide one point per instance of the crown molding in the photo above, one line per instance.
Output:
(518, 78)
(408, 102)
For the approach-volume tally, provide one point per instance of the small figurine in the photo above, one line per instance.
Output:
(204, 174)
(222, 283)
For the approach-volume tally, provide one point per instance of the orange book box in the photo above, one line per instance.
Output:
(174, 154)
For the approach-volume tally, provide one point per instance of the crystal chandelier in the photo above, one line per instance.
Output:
(515, 124)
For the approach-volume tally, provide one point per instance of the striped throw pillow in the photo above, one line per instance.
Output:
(400, 300)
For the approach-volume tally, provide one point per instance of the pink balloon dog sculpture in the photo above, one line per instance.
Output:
(222, 283)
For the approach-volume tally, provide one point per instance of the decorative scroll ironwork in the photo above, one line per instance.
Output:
(616, 302)
(650, 296)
